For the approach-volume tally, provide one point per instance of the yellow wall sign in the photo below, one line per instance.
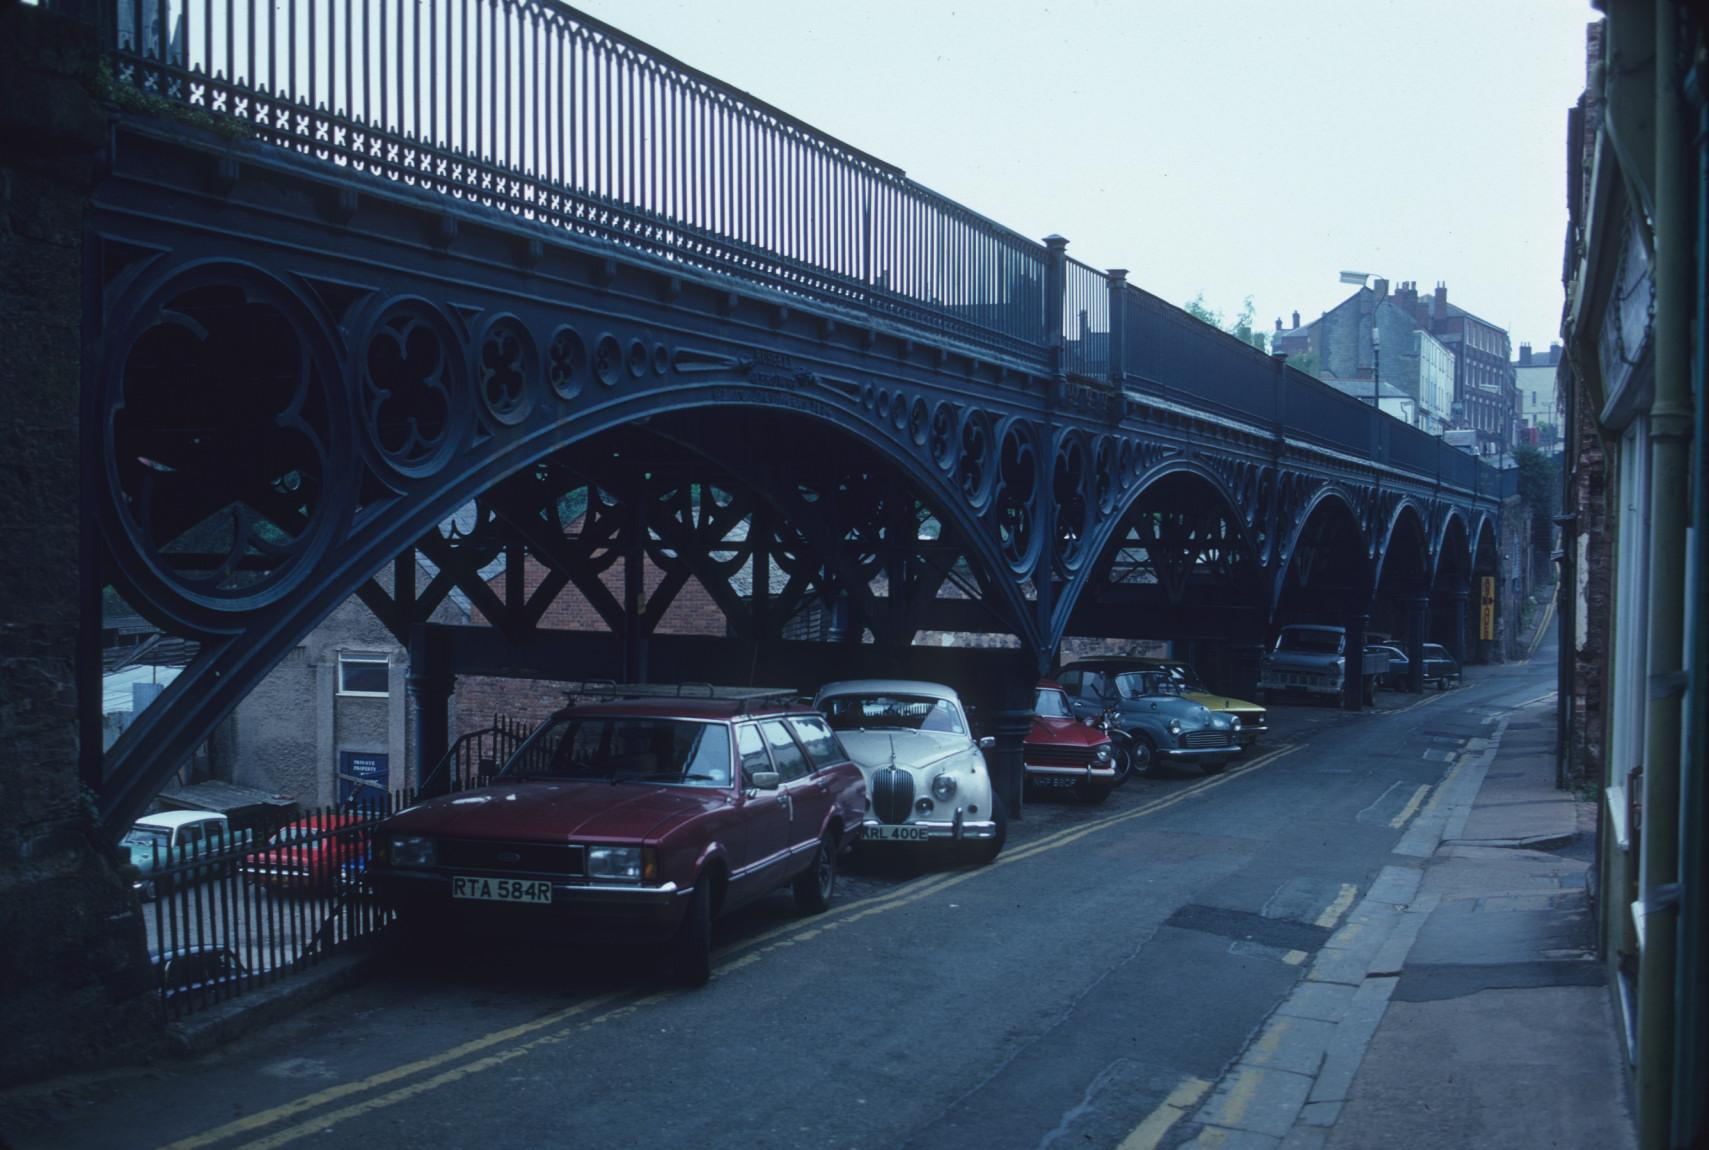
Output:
(1486, 613)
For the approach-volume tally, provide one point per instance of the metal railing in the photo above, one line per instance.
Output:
(461, 766)
(264, 901)
(532, 108)
(237, 911)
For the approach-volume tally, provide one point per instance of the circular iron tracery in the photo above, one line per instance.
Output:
(225, 452)
(1069, 487)
(413, 392)
(507, 363)
(566, 362)
(973, 469)
(1017, 492)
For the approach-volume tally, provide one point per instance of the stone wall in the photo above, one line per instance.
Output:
(1592, 584)
(74, 979)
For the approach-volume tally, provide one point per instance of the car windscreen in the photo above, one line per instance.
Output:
(1435, 651)
(147, 837)
(1049, 703)
(1315, 642)
(1183, 675)
(891, 712)
(626, 749)
(1136, 684)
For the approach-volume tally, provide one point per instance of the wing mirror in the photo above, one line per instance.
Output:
(765, 780)
(987, 742)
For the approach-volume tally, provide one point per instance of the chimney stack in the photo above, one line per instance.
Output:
(1441, 309)
(1296, 318)
(1381, 288)
(1278, 325)
(1524, 355)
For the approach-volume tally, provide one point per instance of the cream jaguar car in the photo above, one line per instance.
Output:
(925, 775)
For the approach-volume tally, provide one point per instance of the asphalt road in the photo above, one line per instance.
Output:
(1111, 957)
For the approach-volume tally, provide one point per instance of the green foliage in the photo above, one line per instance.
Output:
(1240, 329)
(1539, 480)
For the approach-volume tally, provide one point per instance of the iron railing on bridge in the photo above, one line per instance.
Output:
(532, 108)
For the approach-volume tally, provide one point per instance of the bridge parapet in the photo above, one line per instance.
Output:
(534, 109)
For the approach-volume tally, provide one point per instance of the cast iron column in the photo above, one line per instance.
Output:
(429, 686)
(1417, 629)
(1353, 680)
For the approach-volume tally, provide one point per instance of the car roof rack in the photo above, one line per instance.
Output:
(606, 690)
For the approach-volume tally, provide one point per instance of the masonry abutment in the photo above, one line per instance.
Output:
(72, 942)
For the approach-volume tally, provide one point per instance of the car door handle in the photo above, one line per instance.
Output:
(783, 800)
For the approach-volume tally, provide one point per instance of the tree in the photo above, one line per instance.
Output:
(1539, 490)
(1240, 329)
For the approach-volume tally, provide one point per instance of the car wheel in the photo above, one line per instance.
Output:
(691, 952)
(1143, 752)
(813, 886)
(985, 851)
(1121, 757)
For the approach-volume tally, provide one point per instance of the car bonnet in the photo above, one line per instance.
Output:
(555, 810)
(914, 750)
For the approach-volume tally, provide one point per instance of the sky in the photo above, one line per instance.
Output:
(1229, 147)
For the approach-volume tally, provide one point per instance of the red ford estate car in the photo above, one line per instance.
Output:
(1064, 753)
(633, 820)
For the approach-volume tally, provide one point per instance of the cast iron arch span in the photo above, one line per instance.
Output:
(429, 411)
(1201, 538)
(1327, 539)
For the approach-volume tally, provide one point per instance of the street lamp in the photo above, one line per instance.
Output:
(1376, 366)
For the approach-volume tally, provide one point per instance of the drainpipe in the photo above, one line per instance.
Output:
(1691, 1054)
(1670, 460)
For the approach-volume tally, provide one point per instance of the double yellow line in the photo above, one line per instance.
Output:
(561, 1025)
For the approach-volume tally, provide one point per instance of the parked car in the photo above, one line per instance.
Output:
(1066, 753)
(1311, 659)
(1440, 667)
(1395, 678)
(1159, 723)
(307, 855)
(925, 774)
(204, 967)
(633, 820)
(163, 848)
(1254, 719)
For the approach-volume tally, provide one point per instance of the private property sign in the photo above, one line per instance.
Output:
(1486, 611)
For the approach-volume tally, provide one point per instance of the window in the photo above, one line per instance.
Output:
(787, 758)
(821, 743)
(364, 675)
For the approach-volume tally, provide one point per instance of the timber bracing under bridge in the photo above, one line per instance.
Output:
(400, 299)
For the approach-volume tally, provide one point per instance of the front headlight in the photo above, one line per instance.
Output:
(1234, 721)
(1174, 726)
(943, 788)
(409, 850)
(1103, 752)
(614, 862)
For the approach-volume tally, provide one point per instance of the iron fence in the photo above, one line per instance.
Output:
(260, 902)
(530, 107)
(1086, 321)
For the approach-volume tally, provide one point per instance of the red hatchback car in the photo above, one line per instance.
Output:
(633, 820)
(1064, 753)
(308, 854)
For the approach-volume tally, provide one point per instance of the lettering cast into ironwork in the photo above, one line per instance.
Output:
(802, 403)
